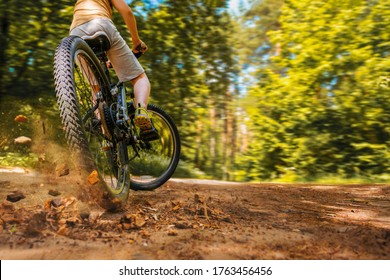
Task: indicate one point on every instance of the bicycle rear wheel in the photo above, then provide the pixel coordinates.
(84, 100)
(153, 162)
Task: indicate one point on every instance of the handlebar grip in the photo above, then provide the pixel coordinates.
(141, 48)
(138, 54)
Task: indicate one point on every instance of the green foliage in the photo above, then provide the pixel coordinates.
(189, 62)
(10, 159)
(320, 107)
(30, 31)
(187, 170)
(43, 122)
(191, 67)
(318, 102)
(255, 23)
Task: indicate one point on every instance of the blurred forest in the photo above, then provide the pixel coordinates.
(292, 90)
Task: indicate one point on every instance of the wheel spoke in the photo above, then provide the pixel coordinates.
(153, 162)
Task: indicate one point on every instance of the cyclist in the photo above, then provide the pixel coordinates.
(94, 17)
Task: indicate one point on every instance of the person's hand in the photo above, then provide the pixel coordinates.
(141, 47)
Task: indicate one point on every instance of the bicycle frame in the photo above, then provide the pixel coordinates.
(99, 122)
(118, 92)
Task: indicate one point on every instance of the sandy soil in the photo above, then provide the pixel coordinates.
(191, 219)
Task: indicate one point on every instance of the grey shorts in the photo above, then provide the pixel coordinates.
(125, 64)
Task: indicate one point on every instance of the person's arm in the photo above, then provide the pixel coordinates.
(130, 21)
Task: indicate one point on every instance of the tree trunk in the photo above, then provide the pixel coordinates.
(212, 140)
(198, 143)
(4, 30)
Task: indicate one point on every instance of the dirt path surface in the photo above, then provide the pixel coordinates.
(191, 219)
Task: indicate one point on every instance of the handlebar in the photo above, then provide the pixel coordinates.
(138, 54)
(141, 48)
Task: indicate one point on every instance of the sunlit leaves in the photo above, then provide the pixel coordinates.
(319, 108)
(35, 28)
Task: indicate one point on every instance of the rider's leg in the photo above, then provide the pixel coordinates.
(141, 86)
(141, 93)
(125, 64)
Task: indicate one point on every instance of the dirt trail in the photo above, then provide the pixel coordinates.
(192, 219)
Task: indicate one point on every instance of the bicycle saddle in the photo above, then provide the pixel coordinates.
(99, 44)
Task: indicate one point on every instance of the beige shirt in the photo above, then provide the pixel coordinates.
(87, 10)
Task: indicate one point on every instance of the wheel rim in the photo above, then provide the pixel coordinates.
(155, 157)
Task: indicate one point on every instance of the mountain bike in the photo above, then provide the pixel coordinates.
(98, 122)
